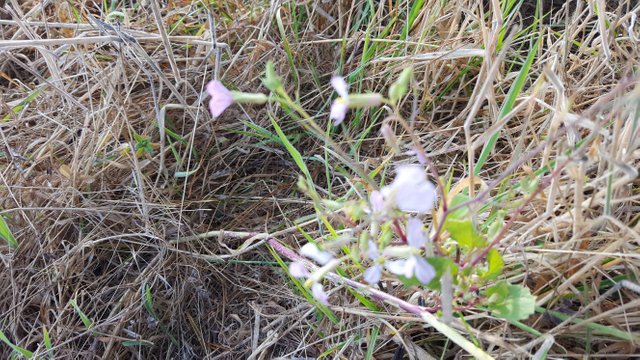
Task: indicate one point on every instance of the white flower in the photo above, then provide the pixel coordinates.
(413, 266)
(341, 105)
(311, 250)
(318, 293)
(415, 235)
(410, 190)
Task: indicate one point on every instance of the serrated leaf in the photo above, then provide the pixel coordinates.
(465, 233)
(511, 302)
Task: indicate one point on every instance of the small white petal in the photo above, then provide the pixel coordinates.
(396, 266)
(340, 86)
(373, 274)
(372, 252)
(311, 250)
(339, 110)
(318, 293)
(377, 201)
(410, 267)
(415, 234)
(423, 270)
(298, 270)
(410, 174)
(410, 190)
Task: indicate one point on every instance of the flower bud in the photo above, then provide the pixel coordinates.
(249, 98)
(364, 100)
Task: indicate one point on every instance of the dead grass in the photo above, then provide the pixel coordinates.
(100, 225)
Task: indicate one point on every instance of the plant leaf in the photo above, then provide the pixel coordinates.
(6, 234)
(511, 302)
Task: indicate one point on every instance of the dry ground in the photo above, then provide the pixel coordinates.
(101, 124)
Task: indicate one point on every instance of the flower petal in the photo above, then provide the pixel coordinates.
(396, 266)
(415, 234)
(311, 250)
(372, 252)
(298, 270)
(340, 86)
(220, 98)
(423, 270)
(410, 267)
(377, 201)
(339, 109)
(318, 293)
(410, 190)
(373, 274)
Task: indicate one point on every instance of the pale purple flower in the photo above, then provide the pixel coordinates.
(410, 190)
(221, 98)
(416, 237)
(340, 105)
(298, 270)
(377, 201)
(373, 274)
(319, 294)
(413, 266)
(312, 251)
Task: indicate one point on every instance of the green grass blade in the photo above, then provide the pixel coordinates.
(508, 105)
(371, 344)
(597, 328)
(47, 341)
(295, 154)
(85, 319)
(6, 234)
(24, 352)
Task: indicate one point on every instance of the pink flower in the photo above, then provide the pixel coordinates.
(221, 98)
(298, 270)
(410, 190)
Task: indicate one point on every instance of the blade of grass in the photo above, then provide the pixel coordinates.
(7, 235)
(85, 319)
(510, 101)
(24, 352)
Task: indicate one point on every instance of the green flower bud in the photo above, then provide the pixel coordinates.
(399, 88)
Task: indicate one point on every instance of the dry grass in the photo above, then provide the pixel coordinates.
(100, 225)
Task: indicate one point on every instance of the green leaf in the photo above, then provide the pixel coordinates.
(47, 340)
(511, 302)
(496, 264)
(130, 343)
(440, 265)
(6, 234)
(465, 233)
(85, 319)
(24, 352)
(461, 213)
